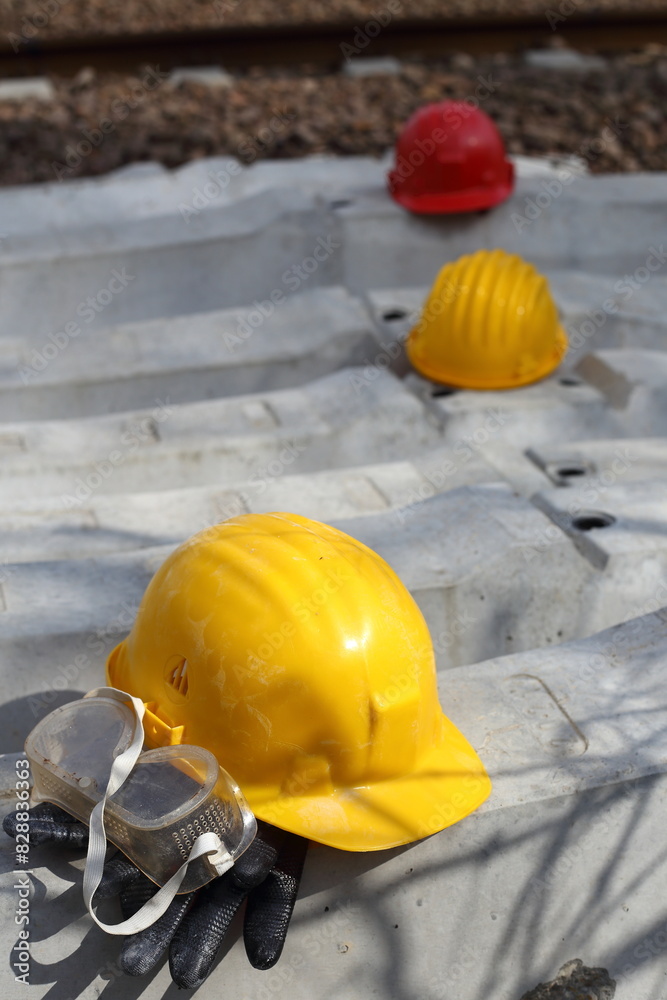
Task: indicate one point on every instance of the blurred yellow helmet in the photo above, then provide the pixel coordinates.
(295, 654)
(489, 322)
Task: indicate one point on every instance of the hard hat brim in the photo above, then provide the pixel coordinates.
(493, 382)
(450, 783)
(451, 203)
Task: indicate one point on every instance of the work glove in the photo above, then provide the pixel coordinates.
(267, 874)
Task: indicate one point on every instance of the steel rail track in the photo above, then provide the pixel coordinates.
(323, 46)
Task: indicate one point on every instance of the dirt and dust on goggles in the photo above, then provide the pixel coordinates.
(174, 811)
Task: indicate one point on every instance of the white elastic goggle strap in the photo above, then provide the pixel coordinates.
(206, 843)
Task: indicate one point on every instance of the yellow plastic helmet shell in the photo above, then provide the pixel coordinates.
(295, 654)
(489, 322)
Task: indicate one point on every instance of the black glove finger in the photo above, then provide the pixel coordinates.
(197, 940)
(270, 905)
(142, 951)
(49, 824)
(134, 895)
(118, 874)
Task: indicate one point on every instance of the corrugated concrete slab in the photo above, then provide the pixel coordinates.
(599, 464)
(213, 235)
(489, 570)
(518, 519)
(342, 419)
(445, 556)
(38, 529)
(186, 358)
(47, 528)
(611, 393)
(624, 521)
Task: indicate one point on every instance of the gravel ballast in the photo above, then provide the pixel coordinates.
(611, 116)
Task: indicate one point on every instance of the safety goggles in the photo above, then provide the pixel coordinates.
(173, 811)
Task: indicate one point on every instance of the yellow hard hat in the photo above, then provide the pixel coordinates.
(295, 655)
(489, 322)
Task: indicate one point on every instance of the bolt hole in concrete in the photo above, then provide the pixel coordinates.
(592, 519)
(393, 314)
(568, 471)
(569, 380)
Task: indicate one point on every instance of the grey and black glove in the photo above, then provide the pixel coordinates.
(267, 875)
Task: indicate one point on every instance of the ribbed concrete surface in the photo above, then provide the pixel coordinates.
(161, 370)
(186, 358)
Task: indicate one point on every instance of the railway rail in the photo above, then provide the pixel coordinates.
(327, 46)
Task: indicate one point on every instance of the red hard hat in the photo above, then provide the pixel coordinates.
(450, 157)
